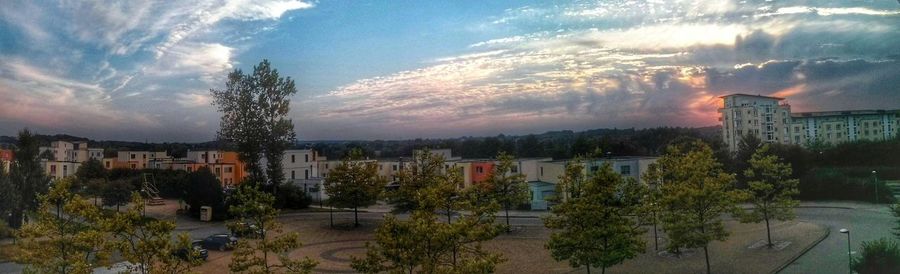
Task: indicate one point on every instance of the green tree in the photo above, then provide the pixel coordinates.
(27, 177)
(747, 146)
(117, 193)
(509, 189)
(600, 225)
(7, 196)
(147, 242)
(424, 171)
(66, 237)
(91, 169)
(895, 210)
(770, 190)
(694, 193)
(254, 108)
(423, 243)
(205, 190)
(881, 256)
(252, 255)
(354, 183)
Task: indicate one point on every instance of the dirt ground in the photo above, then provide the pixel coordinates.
(525, 252)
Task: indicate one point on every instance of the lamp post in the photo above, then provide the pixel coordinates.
(875, 175)
(849, 256)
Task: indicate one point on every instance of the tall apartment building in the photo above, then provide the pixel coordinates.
(771, 120)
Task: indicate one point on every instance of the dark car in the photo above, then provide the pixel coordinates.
(246, 230)
(220, 242)
(198, 252)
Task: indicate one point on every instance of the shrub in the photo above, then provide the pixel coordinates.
(5, 230)
(291, 197)
(876, 257)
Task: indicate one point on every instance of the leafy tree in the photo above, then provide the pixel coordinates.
(421, 242)
(117, 193)
(509, 190)
(747, 146)
(254, 109)
(291, 197)
(7, 195)
(599, 225)
(91, 169)
(770, 190)
(205, 190)
(354, 183)
(252, 256)
(147, 242)
(881, 256)
(27, 177)
(694, 193)
(424, 171)
(66, 237)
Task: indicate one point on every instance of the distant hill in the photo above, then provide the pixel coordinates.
(558, 144)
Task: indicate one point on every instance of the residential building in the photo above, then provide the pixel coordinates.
(136, 159)
(771, 120)
(64, 158)
(6, 158)
(474, 171)
(543, 175)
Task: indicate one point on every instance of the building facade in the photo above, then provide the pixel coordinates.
(771, 120)
(62, 159)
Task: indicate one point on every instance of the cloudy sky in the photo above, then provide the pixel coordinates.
(133, 70)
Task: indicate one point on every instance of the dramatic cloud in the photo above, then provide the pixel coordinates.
(114, 69)
(141, 70)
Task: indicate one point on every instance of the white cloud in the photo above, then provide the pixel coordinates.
(193, 100)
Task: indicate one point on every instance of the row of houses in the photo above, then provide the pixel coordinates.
(306, 169)
(541, 174)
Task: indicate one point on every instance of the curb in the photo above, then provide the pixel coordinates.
(834, 207)
(805, 250)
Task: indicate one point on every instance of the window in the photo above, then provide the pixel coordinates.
(133, 166)
(293, 174)
(53, 169)
(479, 169)
(218, 170)
(625, 170)
(65, 170)
(293, 158)
(542, 171)
(306, 174)
(132, 156)
(227, 169)
(307, 157)
(107, 164)
(144, 156)
(189, 169)
(514, 169)
(394, 167)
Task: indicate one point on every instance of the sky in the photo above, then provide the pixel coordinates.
(142, 70)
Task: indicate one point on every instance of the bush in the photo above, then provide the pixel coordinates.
(291, 197)
(876, 257)
(835, 184)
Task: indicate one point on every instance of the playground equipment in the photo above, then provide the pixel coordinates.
(148, 188)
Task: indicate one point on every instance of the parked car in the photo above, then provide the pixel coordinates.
(220, 242)
(196, 250)
(247, 230)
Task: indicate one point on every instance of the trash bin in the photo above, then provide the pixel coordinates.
(206, 213)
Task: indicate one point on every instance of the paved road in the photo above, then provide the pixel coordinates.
(830, 256)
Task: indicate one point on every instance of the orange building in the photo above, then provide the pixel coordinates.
(474, 171)
(6, 158)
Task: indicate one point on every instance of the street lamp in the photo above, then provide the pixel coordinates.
(849, 256)
(875, 175)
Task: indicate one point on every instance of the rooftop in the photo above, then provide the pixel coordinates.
(750, 95)
(842, 113)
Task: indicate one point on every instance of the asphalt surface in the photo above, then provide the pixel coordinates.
(830, 255)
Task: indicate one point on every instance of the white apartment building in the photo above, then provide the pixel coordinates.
(66, 157)
(770, 119)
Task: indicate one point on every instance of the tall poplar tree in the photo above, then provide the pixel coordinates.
(694, 192)
(770, 190)
(354, 183)
(509, 189)
(254, 120)
(27, 178)
(600, 224)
